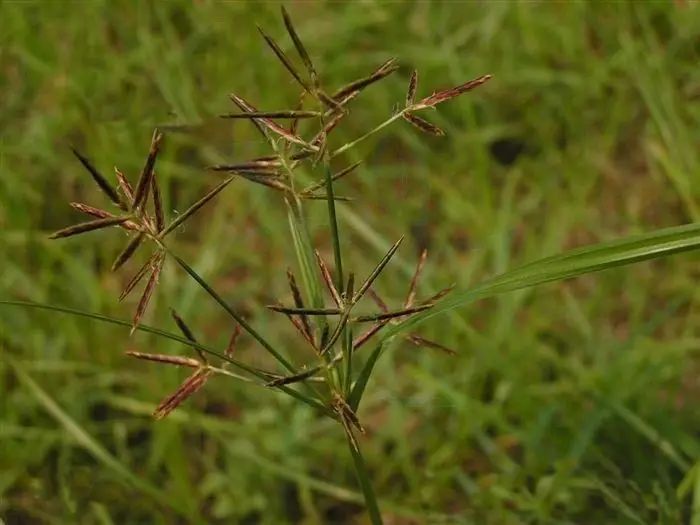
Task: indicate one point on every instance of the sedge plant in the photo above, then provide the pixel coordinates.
(338, 315)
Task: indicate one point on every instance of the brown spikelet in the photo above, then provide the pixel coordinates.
(412, 85)
(377, 270)
(386, 69)
(421, 341)
(190, 386)
(125, 186)
(363, 338)
(285, 114)
(302, 330)
(414, 280)
(194, 208)
(292, 379)
(378, 300)
(88, 226)
(334, 177)
(231, 348)
(148, 265)
(270, 124)
(423, 124)
(301, 50)
(187, 333)
(265, 181)
(261, 168)
(128, 251)
(148, 291)
(90, 210)
(326, 274)
(144, 184)
(439, 295)
(302, 311)
(448, 94)
(167, 359)
(299, 303)
(157, 204)
(277, 50)
(101, 181)
(392, 315)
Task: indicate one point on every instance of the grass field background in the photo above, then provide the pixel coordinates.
(569, 403)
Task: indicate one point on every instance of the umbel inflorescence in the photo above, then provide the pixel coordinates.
(335, 325)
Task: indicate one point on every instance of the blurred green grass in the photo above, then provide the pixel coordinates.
(573, 403)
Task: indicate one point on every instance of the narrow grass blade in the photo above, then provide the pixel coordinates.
(128, 251)
(88, 226)
(588, 259)
(284, 59)
(89, 444)
(144, 184)
(358, 389)
(261, 374)
(335, 234)
(176, 360)
(304, 253)
(104, 185)
(195, 207)
(375, 273)
(299, 46)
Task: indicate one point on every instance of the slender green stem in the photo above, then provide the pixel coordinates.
(365, 484)
(366, 135)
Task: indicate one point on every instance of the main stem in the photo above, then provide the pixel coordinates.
(367, 491)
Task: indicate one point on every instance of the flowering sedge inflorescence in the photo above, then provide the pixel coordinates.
(333, 333)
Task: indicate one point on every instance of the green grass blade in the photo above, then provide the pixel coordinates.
(305, 255)
(589, 259)
(359, 389)
(168, 335)
(87, 442)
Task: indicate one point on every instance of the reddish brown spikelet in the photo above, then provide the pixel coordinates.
(292, 379)
(104, 185)
(148, 291)
(195, 207)
(167, 359)
(392, 315)
(378, 300)
(363, 338)
(277, 50)
(423, 124)
(439, 295)
(179, 321)
(299, 302)
(421, 341)
(189, 387)
(326, 274)
(139, 275)
(144, 183)
(285, 114)
(90, 210)
(125, 186)
(386, 69)
(88, 226)
(448, 94)
(414, 281)
(299, 46)
(302, 330)
(157, 204)
(412, 85)
(231, 348)
(128, 251)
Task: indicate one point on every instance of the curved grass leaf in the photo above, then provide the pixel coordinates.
(588, 259)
